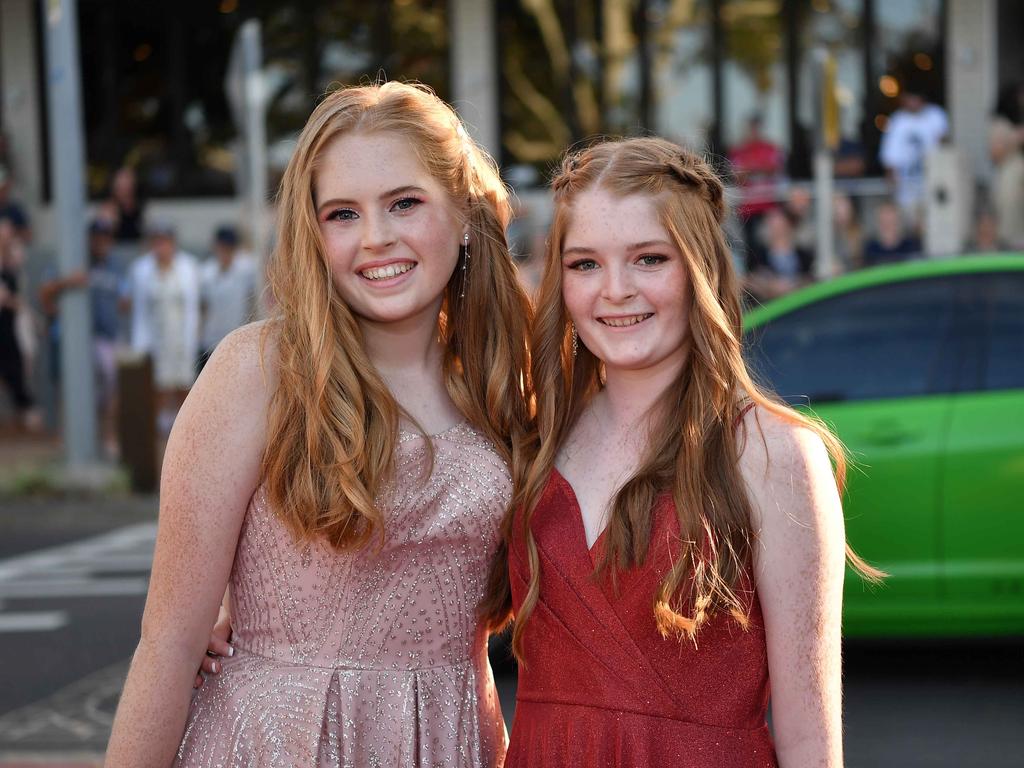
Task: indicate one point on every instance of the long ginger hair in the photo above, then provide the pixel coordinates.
(333, 423)
(693, 447)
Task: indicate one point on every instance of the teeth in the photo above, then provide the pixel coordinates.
(391, 270)
(622, 322)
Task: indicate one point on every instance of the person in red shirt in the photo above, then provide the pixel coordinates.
(758, 166)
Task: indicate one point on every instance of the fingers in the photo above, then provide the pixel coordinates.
(198, 682)
(219, 646)
(210, 666)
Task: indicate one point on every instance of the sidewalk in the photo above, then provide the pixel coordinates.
(66, 724)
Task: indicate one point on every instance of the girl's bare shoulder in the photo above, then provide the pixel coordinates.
(770, 444)
(246, 360)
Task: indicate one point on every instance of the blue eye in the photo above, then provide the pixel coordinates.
(406, 204)
(583, 265)
(342, 214)
(651, 259)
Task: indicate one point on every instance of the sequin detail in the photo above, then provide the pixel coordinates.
(371, 658)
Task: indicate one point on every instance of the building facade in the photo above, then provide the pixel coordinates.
(531, 77)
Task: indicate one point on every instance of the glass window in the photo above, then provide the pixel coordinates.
(568, 71)
(753, 71)
(881, 342)
(1005, 360)
(836, 26)
(682, 58)
(907, 51)
(153, 77)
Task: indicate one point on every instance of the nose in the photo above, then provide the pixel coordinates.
(377, 232)
(617, 285)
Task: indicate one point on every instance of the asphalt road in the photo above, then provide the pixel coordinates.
(72, 584)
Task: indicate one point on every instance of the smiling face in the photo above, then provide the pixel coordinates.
(391, 232)
(624, 282)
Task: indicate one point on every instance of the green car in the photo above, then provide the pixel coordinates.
(919, 368)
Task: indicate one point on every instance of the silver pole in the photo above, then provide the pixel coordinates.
(824, 226)
(68, 184)
(256, 139)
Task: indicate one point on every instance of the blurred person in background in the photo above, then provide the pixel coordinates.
(891, 242)
(108, 297)
(13, 309)
(849, 244)
(126, 206)
(12, 210)
(780, 265)
(800, 208)
(985, 238)
(227, 291)
(848, 159)
(913, 131)
(1006, 146)
(165, 317)
(758, 166)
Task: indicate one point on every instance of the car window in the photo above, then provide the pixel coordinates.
(1004, 364)
(878, 342)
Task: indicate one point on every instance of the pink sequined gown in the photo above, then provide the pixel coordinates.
(372, 658)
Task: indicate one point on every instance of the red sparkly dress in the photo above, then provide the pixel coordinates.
(602, 687)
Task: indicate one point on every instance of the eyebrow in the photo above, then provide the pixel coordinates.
(390, 193)
(585, 251)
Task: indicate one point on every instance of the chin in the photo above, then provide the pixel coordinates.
(395, 311)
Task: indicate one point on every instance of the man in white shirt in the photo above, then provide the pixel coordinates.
(914, 130)
(227, 289)
(165, 316)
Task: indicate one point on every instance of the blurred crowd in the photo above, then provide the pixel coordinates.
(149, 296)
(777, 246)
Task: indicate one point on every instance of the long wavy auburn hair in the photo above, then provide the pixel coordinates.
(693, 449)
(333, 423)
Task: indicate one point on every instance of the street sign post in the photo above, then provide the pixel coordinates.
(246, 95)
(826, 141)
(68, 183)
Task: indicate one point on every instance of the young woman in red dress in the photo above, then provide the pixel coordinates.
(676, 552)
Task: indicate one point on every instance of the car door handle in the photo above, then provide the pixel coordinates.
(889, 434)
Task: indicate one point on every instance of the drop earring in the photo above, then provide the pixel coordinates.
(575, 342)
(465, 263)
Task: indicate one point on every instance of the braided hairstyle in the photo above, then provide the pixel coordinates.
(694, 445)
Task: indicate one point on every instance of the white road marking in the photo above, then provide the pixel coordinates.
(95, 550)
(113, 564)
(73, 587)
(36, 621)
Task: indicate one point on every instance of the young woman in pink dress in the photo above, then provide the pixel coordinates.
(344, 468)
(676, 552)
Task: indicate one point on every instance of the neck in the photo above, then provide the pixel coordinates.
(406, 347)
(628, 395)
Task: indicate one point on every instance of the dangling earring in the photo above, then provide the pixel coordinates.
(465, 262)
(575, 342)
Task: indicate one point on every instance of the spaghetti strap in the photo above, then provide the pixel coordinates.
(742, 413)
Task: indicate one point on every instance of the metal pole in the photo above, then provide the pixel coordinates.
(256, 139)
(825, 261)
(68, 185)
(826, 139)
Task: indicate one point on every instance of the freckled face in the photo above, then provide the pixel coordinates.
(624, 282)
(391, 232)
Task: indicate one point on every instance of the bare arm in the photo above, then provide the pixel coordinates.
(210, 471)
(799, 564)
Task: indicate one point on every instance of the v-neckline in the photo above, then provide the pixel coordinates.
(593, 549)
